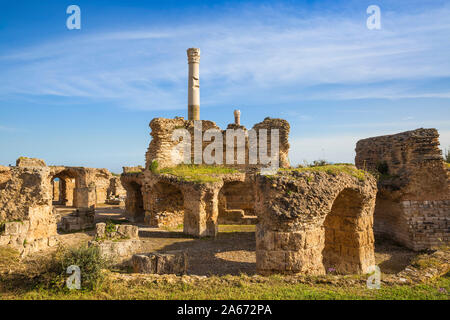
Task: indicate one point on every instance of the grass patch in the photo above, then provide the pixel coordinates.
(226, 228)
(198, 173)
(333, 169)
(8, 258)
(243, 287)
(177, 228)
(425, 261)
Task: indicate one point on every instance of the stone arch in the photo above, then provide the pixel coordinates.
(348, 236)
(166, 205)
(67, 183)
(236, 203)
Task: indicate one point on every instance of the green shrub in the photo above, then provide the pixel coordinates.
(319, 163)
(154, 166)
(90, 262)
(110, 227)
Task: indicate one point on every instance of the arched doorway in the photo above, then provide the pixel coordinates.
(134, 202)
(64, 188)
(346, 233)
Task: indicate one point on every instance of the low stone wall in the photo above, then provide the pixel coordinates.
(169, 262)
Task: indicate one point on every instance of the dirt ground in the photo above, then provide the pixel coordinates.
(231, 252)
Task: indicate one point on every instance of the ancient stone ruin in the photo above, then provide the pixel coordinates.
(413, 201)
(308, 220)
(30, 190)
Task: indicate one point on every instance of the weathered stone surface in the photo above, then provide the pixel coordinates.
(30, 162)
(25, 206)
(79, 220)
(120, 252)
(413, 201)
(170, 262)
(121, 231)
(309, 222)
(163, 149)
(117, 251)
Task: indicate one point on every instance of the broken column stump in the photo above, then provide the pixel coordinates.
(170, 262)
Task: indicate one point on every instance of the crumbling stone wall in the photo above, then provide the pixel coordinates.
(26, 218)
(116, 190)
(162, 147)
(314, 222)
(413, 202)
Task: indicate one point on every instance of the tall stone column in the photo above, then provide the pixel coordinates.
(237, 117)
(194, 84)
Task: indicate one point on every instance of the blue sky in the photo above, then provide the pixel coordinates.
(85, 97)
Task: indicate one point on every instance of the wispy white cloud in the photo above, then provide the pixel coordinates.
(339, 147)
(293, 58)
(7, 129)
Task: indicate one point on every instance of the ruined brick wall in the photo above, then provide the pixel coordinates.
(414, 190)
(162, 147)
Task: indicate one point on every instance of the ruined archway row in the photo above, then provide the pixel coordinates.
(84, 187)
(29, 221)
(308, 222)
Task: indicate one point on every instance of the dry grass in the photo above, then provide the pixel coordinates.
(334, 169)
(198, 173)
